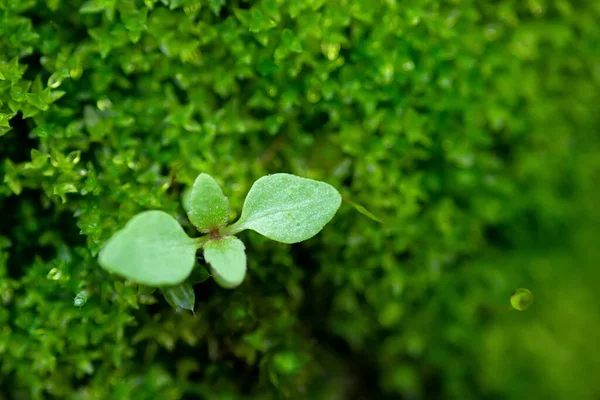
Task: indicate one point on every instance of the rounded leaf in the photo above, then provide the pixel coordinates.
(152, 249)
(288, 208)
(208, 206)
(227, 259)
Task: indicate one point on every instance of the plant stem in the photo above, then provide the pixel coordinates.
(199, 241)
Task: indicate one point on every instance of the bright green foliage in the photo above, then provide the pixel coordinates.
(288, 208)
(209, 207)
(521, 299)
(227, 260)
(469, 128)
(180, 296)
(152, 249)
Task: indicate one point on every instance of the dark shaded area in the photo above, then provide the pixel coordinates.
(16, 144)
(25, 220)
(359, 369)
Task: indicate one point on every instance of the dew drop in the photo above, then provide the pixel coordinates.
(54, 274)
(54, 81)
(521, 299)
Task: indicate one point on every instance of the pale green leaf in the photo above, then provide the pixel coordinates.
(152, 249)
(227, 260)
(208, 205)
(180, 296)
(288, 208)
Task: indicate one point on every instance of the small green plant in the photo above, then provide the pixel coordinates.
(153, 249)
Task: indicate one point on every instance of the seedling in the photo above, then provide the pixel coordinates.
(153, 249)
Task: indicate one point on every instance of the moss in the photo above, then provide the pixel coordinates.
(468, 129)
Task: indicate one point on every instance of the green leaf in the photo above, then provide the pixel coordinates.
(209, 207)
(145, 289)
(4, 119)
(90, 7)
(180, 296)
(37, 101)
(11, 177)
(152, 250)
(227, 260)
(216, 5)
(288, 208)
(259, 22)
(290, 41)
(198, 275)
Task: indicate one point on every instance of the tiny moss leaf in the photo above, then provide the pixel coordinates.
(363, 211)
(180, 296)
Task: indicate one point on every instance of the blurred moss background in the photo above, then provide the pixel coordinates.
(470, 128)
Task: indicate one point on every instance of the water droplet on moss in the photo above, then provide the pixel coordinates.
(54, 81)
(54, 274)
(521, 299)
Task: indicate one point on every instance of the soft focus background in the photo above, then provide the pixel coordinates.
(470, 128)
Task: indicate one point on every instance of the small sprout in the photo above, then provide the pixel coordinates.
(521, 299)
(153, 250)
